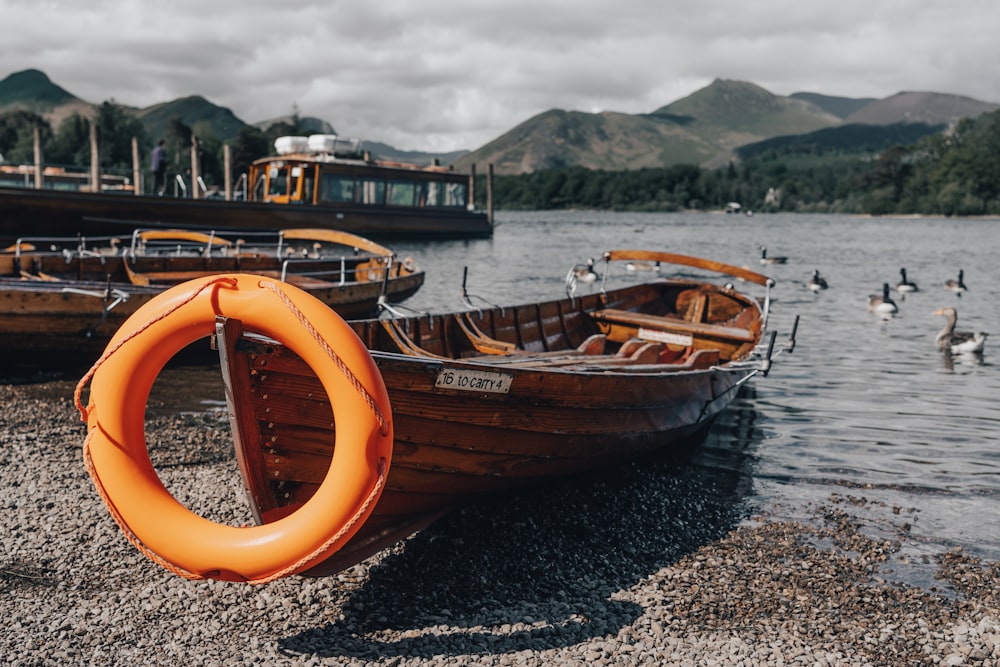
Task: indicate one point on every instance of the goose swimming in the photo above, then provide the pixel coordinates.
(883, 305)
(817, 282)
(905, 285)
(764, 259)
(950, 340)
(957, 286)
(585, 273)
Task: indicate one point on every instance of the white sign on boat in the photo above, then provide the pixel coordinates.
(469, 380)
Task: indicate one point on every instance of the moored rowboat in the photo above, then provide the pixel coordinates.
(481, 401)
(69, 295)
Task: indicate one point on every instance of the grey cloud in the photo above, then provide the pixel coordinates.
(442, 74)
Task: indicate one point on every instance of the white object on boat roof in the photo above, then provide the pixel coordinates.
(331, 143)
(291, 144)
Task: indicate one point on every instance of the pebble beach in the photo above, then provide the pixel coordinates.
(651, 564)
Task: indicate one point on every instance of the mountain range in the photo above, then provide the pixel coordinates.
(704, 128)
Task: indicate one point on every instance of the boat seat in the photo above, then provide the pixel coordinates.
(634, 320)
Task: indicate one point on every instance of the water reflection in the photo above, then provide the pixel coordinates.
(950, 360)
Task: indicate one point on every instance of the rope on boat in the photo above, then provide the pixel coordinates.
(355, 382)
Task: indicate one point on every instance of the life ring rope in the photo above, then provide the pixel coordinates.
(373, 495)
(361, 511)
(78, 392)
(358, 386)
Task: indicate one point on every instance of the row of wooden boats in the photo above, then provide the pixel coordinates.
(352, 434)
(63, 297)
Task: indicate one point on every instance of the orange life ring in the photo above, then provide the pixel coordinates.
(119, 460)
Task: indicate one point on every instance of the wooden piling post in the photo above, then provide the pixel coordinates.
(489, 194)
(194, 168)
(227, 160)
(136, 172)
(38, 159)
(95, 160)
(472, 186)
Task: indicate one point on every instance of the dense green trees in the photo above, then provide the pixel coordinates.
(948, 173)
(69, 144)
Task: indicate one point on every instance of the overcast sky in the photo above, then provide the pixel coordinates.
(444, 75)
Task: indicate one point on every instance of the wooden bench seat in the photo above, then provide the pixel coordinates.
(670, 325)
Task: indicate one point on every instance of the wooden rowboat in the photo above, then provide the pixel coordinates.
(67, 296)
(482, 401)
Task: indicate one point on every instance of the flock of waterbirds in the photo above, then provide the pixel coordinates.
(948, 339)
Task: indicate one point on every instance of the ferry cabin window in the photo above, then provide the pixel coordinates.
(401, 193)
(371, 190)
(456, 194)
(340, 188)
(337, 188)
(277, 181)
(258, 187)
(302, 185)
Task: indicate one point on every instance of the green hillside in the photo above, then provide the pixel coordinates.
(32, 89)
(733, 113)
(607, 140)
(855, 138)
(841, 107)
(703, 128)
(202, 116)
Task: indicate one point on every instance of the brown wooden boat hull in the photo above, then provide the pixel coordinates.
(471, 424)
(47, 323)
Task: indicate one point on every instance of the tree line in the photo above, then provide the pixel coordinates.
(68, 144)
(955, 172)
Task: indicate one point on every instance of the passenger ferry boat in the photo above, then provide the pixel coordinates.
(321, 181)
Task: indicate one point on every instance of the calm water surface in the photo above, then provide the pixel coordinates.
(863, 407)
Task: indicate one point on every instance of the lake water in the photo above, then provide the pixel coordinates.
(864, 407)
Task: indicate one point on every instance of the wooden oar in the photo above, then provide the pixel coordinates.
(339, 238)
(687, 260)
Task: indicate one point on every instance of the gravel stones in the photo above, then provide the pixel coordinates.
(653, 563)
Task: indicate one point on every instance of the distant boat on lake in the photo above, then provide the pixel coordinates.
(320, 181)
